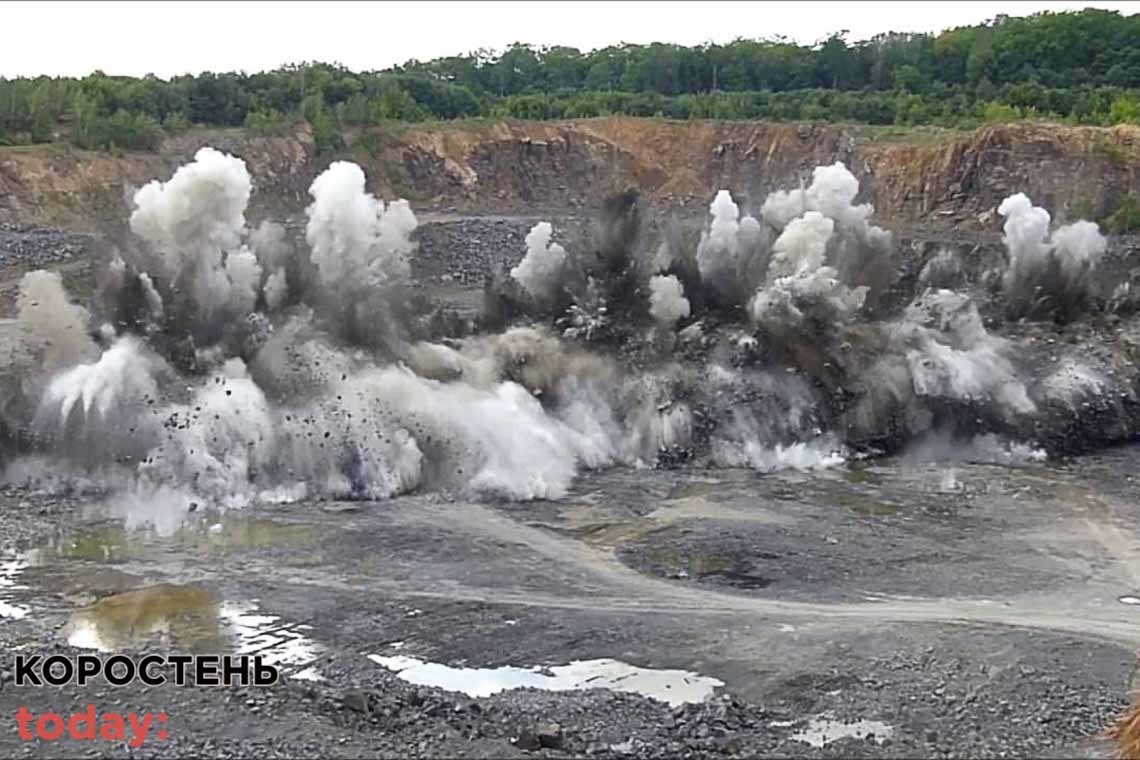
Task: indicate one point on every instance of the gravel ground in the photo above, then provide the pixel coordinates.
(34, 246)
(25, 247)
(951, 669)
(462, 252)
(968, 692)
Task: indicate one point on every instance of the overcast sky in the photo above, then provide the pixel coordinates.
(170, 38)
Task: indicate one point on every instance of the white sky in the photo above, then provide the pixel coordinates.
(169, 38)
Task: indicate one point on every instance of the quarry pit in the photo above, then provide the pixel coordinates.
(756, 546)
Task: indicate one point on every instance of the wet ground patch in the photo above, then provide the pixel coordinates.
(846, 556)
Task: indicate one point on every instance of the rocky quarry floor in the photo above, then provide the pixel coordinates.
(872, 611)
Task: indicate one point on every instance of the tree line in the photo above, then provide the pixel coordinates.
(1081, 67)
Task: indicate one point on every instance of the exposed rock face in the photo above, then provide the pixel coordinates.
(1065, 168)
(61, 185)
(926, 177)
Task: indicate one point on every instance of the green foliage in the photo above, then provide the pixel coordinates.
(1126, 218)
(909, 79)
(385, 100)
(999, 112)
(269, 123)
(175, 123)
(369, 144)
(1081, 67)
(1125, 109)
(395, 103)
(121, 130)
(325, 134)
(985, 90)
(1083, 209)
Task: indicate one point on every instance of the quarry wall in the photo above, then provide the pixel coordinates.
(914, 177)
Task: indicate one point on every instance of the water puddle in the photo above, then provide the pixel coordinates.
(190, 618)
(710, 488)
(823, 731)
(865, 504)
(692, 564)
(164, 614)
(237, 533)
(610, 528)
(10, 571)
(116, 543)
(278, 642)
(859, 474)
(675, 687)
(96, 543)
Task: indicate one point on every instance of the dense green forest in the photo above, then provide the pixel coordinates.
(1079, 67)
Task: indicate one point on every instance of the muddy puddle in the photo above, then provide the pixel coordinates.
(114, 542)
(191, 618)
(110, 577)
(81, 563)
(171, 615)
(711, 565)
